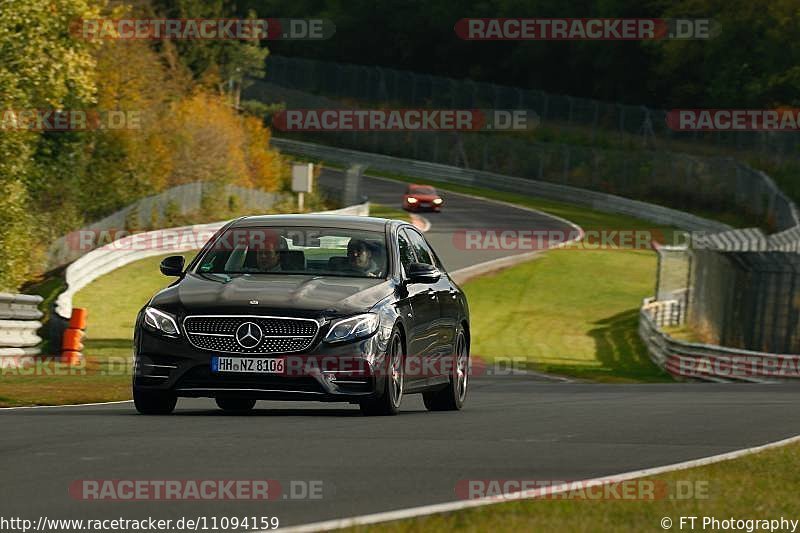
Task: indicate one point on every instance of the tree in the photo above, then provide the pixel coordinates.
(42, 66)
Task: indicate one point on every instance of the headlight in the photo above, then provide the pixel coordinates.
(437, 201)
(353, 328)
(412, 200)
(161, 321)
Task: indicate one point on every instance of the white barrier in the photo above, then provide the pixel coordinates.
(19, 322)
(140, 246)
(185, 198)
(707, 362)
(19, 306)
(19, 333)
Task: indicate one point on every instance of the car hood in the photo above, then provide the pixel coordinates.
(297, 295)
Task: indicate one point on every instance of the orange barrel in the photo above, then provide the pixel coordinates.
(71, 357)
(78, 318)
(72, 340)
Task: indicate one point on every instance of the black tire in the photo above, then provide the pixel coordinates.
(388, 403)
(150, 402)
(236, 405)
(453, 396)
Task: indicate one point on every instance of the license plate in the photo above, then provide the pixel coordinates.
(425, 204)
(252, 365)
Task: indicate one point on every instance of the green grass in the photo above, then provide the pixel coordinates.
(570, 312)
(384, 211)
(758, 486)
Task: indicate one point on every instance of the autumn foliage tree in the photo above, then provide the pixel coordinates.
(179, 128)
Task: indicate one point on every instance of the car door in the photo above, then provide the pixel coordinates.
(441, 329)
(450, 303)
(422, 335)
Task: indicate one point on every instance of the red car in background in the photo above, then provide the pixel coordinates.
(422, 198)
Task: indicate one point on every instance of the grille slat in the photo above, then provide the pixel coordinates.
(278, 334)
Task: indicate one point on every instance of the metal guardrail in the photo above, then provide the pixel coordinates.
(677, 179)
(150, 210)
(708, 362)
(344, 82)
(19, 322)
(477, 178)
(140, 246)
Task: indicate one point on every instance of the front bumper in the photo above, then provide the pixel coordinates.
(417, 207)
(344, 372)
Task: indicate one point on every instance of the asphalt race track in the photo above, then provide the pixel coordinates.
(460, 213)
(512, 427)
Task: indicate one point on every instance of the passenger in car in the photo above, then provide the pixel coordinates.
(360, 258)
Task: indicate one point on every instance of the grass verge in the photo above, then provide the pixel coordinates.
(568, 313)
(758, 486)
(384, 211)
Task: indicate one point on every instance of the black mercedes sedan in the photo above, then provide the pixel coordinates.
(305, 307)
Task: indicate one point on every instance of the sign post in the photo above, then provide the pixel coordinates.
(302, 181)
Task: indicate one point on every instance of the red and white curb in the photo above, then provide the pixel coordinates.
(420, 222)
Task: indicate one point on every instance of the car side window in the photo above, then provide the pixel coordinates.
(421, 249)
(406, 253)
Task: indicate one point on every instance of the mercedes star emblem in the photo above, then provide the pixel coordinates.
(248, 335)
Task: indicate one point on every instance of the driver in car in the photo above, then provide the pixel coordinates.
(268, 254)
(360, 258)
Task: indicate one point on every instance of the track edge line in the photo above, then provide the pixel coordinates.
(414, 512)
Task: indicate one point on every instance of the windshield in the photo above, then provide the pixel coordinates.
(423, 190)
(297, 250)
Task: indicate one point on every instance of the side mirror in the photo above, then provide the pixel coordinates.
(172, 265)
(423, 273)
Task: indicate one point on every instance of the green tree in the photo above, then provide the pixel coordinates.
(42, 66)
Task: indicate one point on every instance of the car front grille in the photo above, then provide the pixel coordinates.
(246, 334)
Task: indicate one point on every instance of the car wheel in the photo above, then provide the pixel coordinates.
(388, 403)
(452, 397)
(150, 402)
(236, 405)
